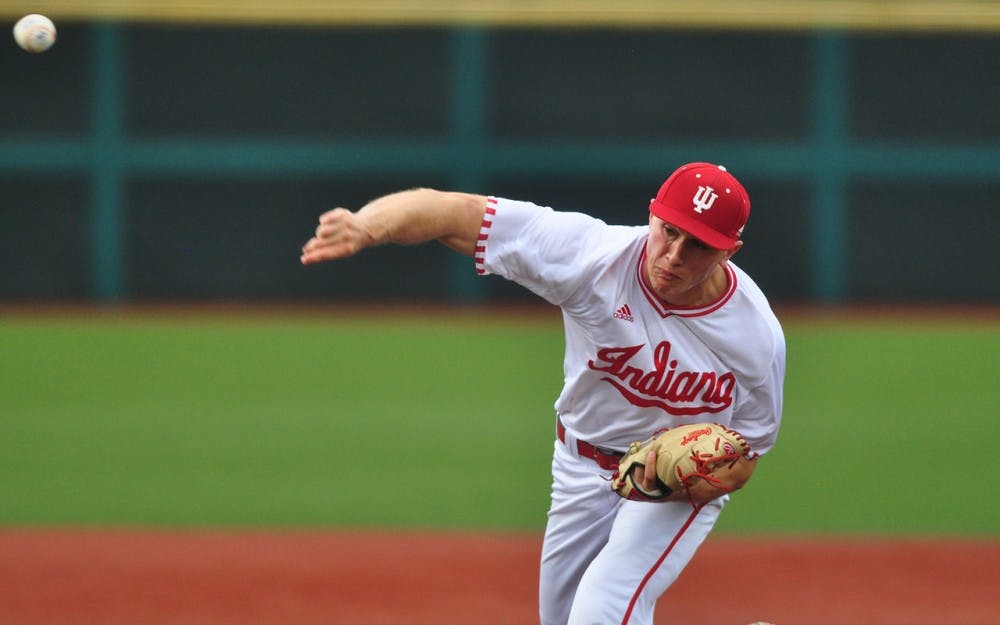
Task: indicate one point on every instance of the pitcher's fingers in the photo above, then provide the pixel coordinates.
(649, 474)
(327, 229)
(315, 244)
(335, 214)
(319, 255)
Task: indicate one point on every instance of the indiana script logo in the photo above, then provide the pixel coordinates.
(674, 391)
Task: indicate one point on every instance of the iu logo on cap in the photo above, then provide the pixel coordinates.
(704, 198)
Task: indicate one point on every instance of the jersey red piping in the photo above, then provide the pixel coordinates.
(665, 310)
(659, 561)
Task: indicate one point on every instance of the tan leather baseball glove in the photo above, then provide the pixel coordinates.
(684, 455)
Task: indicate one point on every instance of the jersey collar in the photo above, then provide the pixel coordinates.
(665, 310)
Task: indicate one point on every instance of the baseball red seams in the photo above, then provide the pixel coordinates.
(674, 391)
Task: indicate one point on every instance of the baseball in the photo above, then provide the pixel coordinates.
(35, 33)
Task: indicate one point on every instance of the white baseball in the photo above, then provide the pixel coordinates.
(761, 623)
(35, 33)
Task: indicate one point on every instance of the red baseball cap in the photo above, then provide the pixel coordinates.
(706, 201)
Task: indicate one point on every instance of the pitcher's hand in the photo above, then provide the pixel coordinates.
(340, 234)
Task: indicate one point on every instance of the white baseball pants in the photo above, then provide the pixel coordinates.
(605, 560)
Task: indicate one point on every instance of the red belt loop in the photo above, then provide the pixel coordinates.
(605, 459)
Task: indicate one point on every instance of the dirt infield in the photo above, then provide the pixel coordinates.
(78, 577)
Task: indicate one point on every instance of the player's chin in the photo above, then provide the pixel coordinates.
(667, 284)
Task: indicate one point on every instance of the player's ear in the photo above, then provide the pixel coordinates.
(731, 252)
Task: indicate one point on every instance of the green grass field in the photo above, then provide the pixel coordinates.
(445, 423)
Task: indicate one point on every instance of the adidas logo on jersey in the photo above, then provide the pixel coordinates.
(623, 313)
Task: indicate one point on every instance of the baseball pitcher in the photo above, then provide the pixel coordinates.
(674, 366)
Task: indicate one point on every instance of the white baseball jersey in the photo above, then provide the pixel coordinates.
(634, 364)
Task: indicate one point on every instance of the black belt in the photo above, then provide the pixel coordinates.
(605, 458)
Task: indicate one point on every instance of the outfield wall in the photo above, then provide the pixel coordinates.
(182, 151)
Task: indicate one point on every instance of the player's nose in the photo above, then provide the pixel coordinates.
(674, 252)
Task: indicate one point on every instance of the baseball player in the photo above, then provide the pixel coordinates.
(662, 330)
